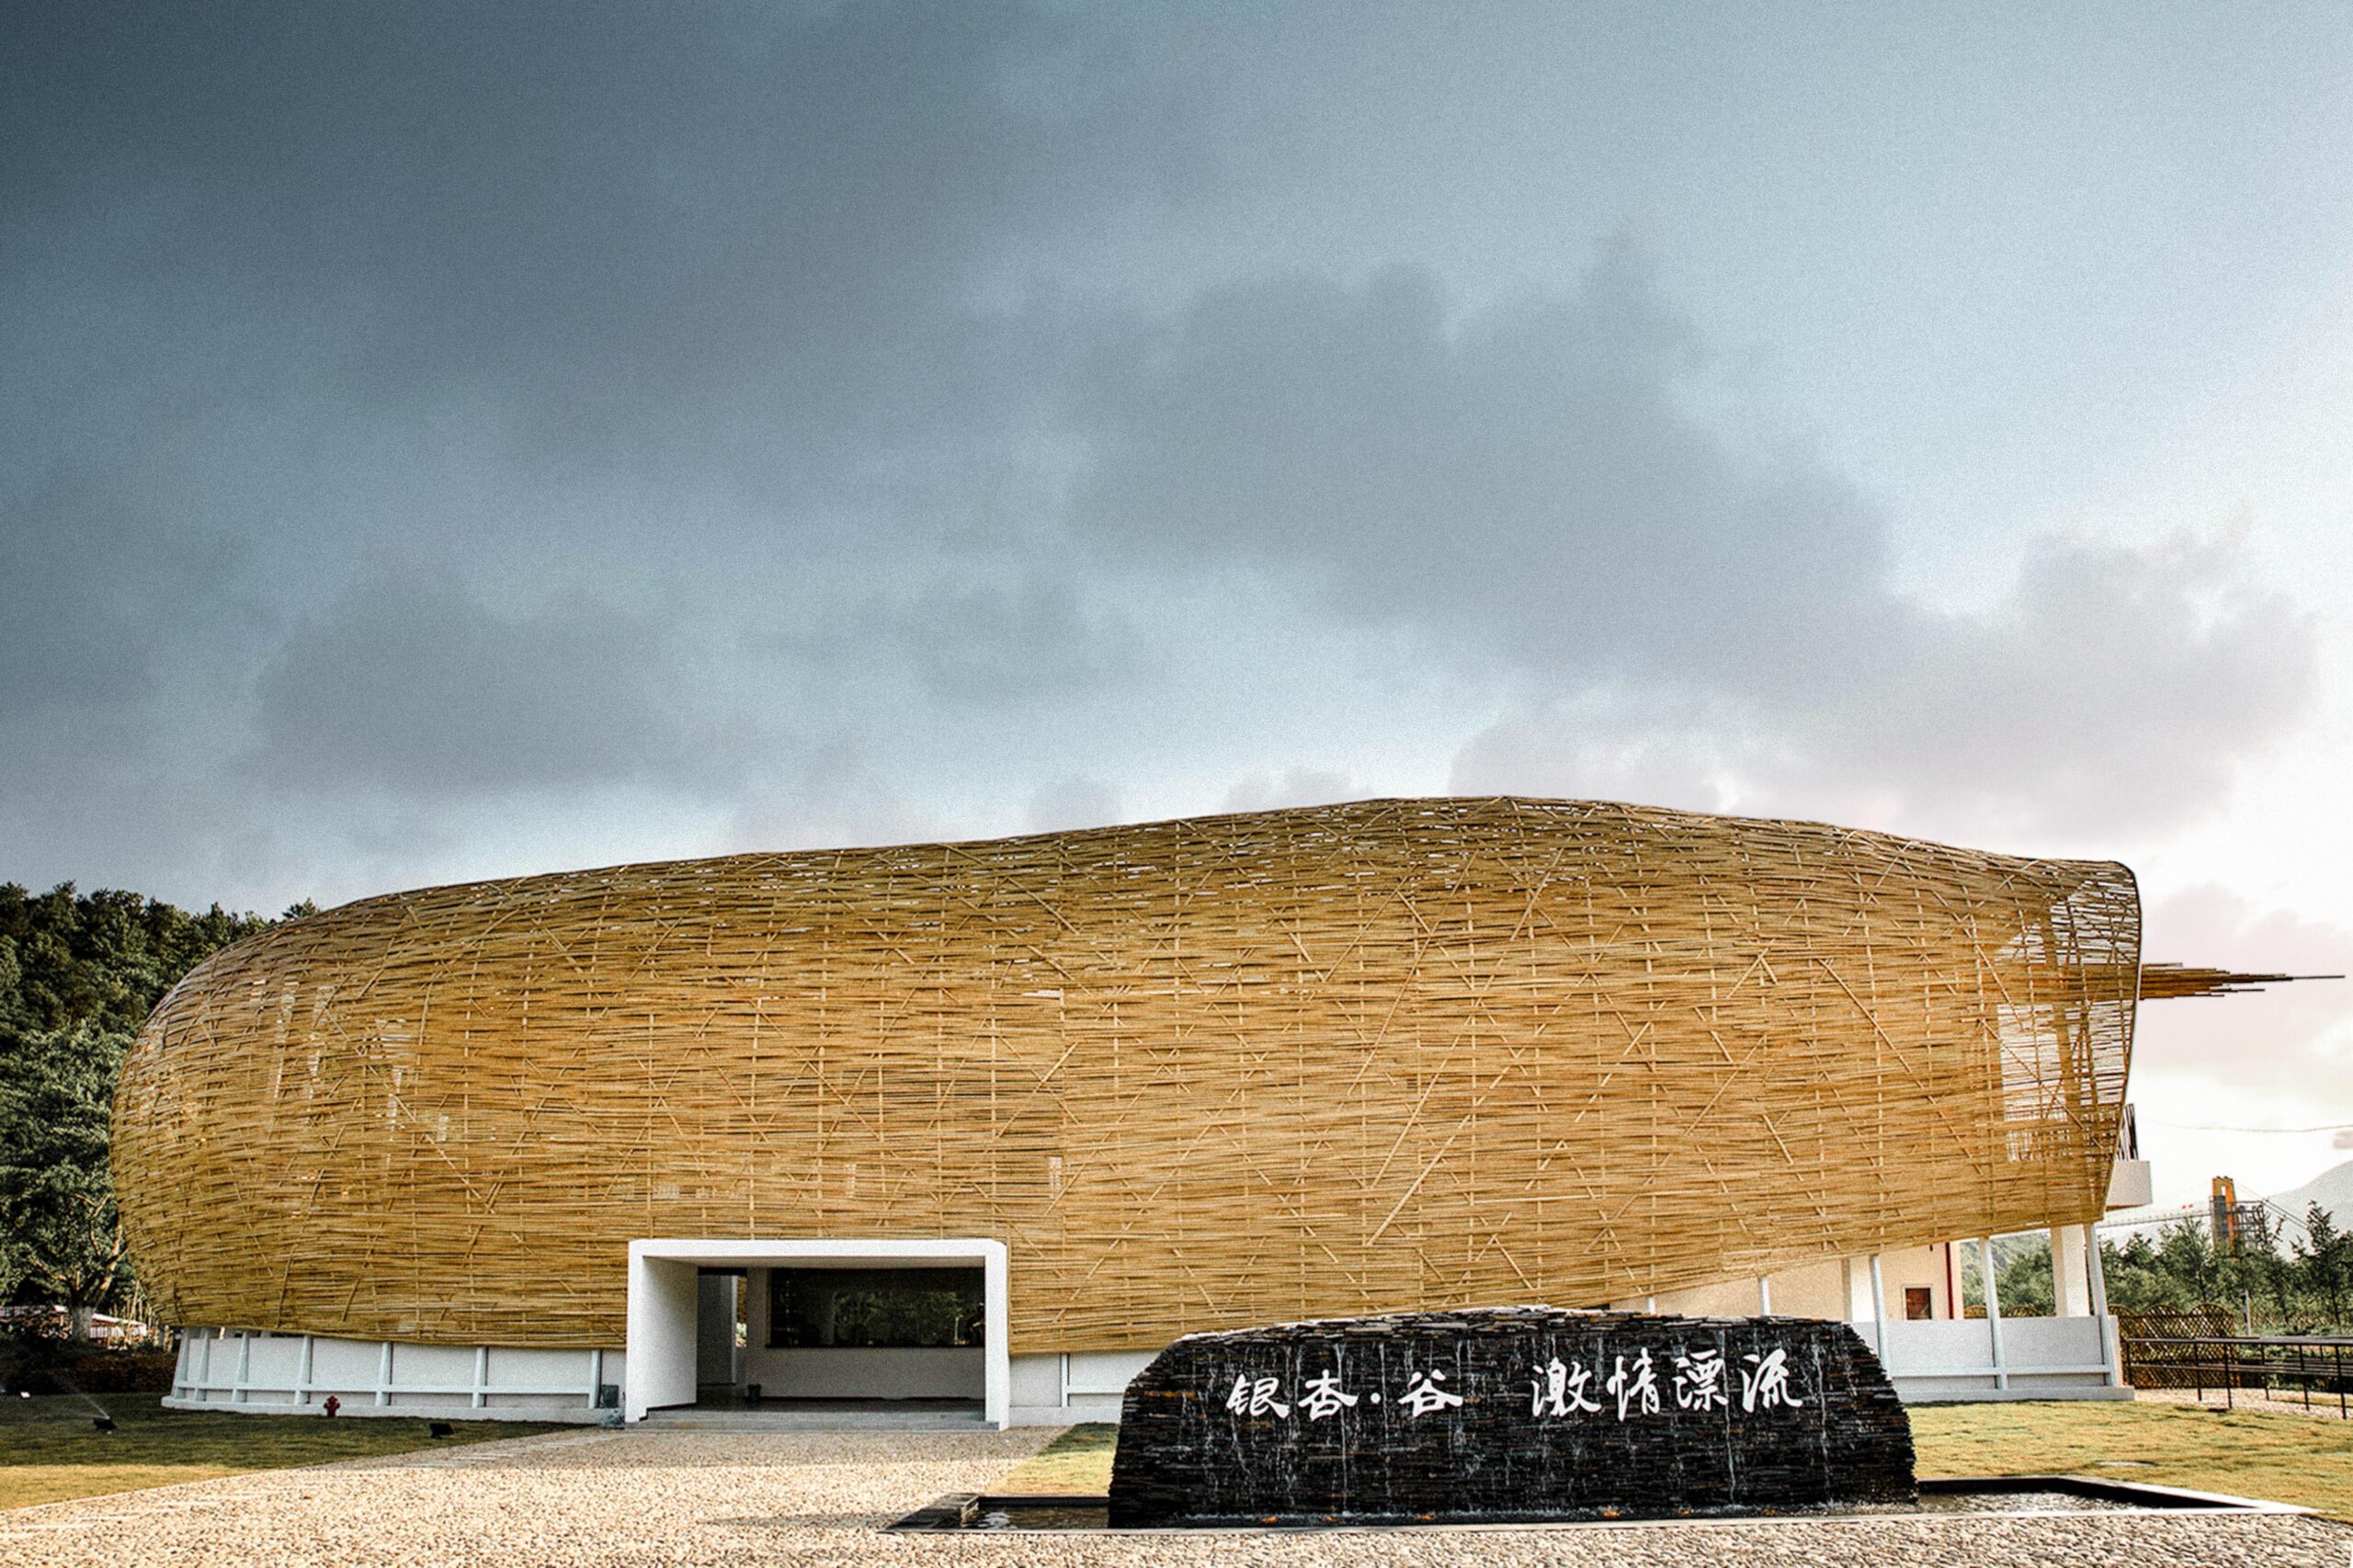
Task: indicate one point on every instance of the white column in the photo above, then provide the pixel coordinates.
(997, 1405)
(302, 1376)
(2095, 1275)
(2069, 1290)
(1854, 1272)
(1992, 1310)
(1879, 1308)
(1764, 1296)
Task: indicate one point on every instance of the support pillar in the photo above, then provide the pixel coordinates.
(1879, 1308)
(2095, 1277)
(1992, 1310)
(2070, 1295)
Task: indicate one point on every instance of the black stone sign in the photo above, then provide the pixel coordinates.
(1515, 1413)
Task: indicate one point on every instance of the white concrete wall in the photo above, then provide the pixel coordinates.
(2043, 1358)
(1810, 1290)
(1910, 1267)
(1055, 1389)
(296, 1374)
(2038, 1359)
(663, 1294)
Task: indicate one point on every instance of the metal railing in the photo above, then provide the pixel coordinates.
(2234, 1364)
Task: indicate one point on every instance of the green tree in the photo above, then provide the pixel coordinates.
(2323, 1264)
(58, 1235)
(2023, 1281)
(78, 974)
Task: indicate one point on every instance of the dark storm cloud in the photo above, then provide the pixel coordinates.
(417, 687)
(990, 644)
(1528, 488)
(589, 290)
(328, 322)
(743, 241)
(1525, 481)
(87, 573)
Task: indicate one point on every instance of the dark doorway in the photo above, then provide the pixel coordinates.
(873, 1333)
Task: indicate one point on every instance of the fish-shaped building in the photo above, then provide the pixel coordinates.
(1000, 1119)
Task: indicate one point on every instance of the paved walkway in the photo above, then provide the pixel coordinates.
(691, 1497)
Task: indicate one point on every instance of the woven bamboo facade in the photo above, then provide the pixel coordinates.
(1196, 1074)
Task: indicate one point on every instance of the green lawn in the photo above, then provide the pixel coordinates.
(1078, 1463)
(2287, 1459)
(49, 1450)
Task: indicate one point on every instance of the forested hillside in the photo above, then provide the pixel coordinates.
(79, 973)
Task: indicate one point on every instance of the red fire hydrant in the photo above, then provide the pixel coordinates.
(333, 1404)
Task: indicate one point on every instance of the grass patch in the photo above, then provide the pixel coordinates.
(2285, 1458)
(49, 1451)
(1074, 1464)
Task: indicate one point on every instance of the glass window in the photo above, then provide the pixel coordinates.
(881, 1308)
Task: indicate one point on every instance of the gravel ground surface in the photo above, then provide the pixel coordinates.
(727, 1498)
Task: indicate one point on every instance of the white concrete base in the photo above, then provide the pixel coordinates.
(1936, 1362)
(1934, 1390)
(295, 1374)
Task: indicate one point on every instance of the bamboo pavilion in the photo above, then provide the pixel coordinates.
(994, 1122)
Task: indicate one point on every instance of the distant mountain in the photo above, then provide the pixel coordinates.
(2332, 1189)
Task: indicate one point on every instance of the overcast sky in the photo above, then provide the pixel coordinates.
(454, 441)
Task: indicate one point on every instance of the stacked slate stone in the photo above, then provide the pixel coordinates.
(1518, 1412)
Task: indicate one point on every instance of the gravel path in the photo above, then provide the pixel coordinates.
(726, 1498)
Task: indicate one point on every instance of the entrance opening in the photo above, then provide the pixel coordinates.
(810, 1326)
(718, 1335)
(912, 1331)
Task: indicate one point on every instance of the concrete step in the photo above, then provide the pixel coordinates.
(830, 1420)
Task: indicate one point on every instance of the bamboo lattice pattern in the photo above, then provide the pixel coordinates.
(1196, 1074)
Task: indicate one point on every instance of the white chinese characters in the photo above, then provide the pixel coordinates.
(1562, 1389)
(1423, 1394)
(1641, 1388)
(1627, 1387)
(1325, 1397)
(1768, 1386)
(1256, 1397)
(1700, 1381)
